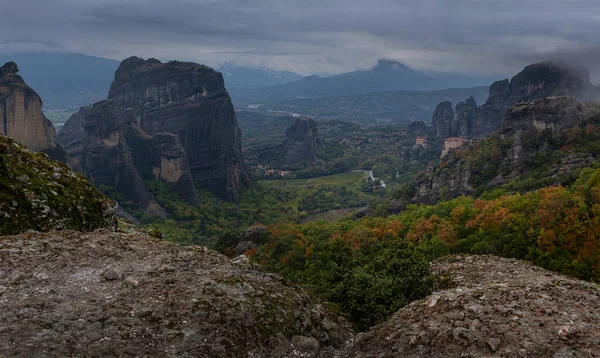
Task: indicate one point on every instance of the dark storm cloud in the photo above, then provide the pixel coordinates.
(314, 36)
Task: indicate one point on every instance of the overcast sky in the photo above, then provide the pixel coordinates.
(310, 36)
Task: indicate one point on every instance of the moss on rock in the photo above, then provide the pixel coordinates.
(39, 194)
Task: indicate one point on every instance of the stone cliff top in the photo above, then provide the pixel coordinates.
(9, 68)
(135, 65)
(138, 80)
(547, 79)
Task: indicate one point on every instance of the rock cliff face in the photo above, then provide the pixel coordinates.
(534, 82)
(21, 116)
(548, 79)
(527, 119)
(96, 138)
(39, 194)
(172, 122)
(302, 140)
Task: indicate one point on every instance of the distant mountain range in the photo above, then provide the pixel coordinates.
(387, 75)
(68, 81)
(248, 78)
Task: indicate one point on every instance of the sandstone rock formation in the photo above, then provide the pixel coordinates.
(494, 307)
(302, 140)
(39, 194)
(67, 294)
(127, 294)
(172, 122)
(21, 116)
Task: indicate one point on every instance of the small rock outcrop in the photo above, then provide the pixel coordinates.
(171, 122)
(417, 128)
(127, 294)
(39, 194)
(21, 116)
(496, 308)
(253, 236)
(419, 150)
(396, 206)
(302, 140)
(363, 212)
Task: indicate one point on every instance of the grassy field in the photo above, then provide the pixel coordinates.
(343, 178)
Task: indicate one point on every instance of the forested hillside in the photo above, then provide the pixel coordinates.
(372, 266)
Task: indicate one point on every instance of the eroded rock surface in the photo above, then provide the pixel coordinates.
(67, 294)
(498, 308)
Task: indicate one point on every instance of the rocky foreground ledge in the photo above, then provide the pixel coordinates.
(111, 294)
(498, 308)
(116, 294)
